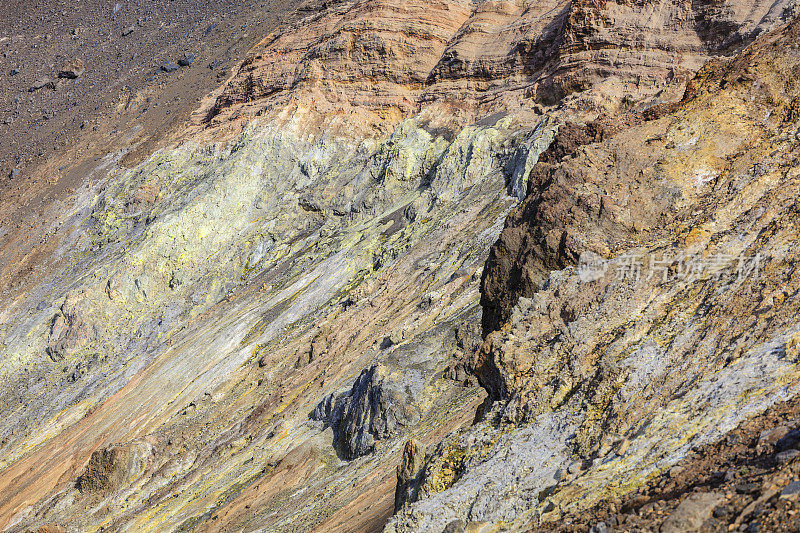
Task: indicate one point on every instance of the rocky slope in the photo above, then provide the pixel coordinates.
(676, 322)
(255, 325)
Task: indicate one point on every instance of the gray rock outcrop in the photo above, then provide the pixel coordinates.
(378, 406)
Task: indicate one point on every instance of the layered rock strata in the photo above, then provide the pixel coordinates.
(315, 244)
(676, 322)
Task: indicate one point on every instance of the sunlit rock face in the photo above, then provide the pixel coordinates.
(649, 325)
(375, 408)
(243, 331)
(261, 276)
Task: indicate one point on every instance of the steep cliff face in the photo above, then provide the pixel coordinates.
(263, 276)
(381, 60)
(675, 323)
(242, 331)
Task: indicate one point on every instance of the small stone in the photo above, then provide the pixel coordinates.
(127, 31)
(770, 437)
(648, 508)
(72, 69)
(691, 513)
(635, 502)
(169, 66)
(456, 526)
(748, 488)
(14, 72)
(186, 60)
(792, 490)
(786, 456)
(394, 338)
(599, 527)
(623, 447)
(722, 511)
(675, 471)
(790, 440)
(41, 83)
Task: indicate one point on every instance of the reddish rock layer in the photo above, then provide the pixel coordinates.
(370, 63)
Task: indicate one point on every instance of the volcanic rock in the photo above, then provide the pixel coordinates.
(376, 407)
(42, 83)
(72, 328)
(72, 69)
(169, 66)
(691, 513)
(186, 60)
(113, 467)
(312, 238)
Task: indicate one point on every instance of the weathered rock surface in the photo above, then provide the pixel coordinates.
(72, 328)
(736, 471)
(375, 408)
(691, 513)
(315, 240)
(673, 333)
(213, 301)
(386, 59)
(72, 69)
(408, 473)
(114, 467)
